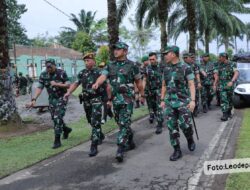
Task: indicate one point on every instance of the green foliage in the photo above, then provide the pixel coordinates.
(42, 40)
(66, 38)
(20, 152)
(16, 32)
(102, 55)
(230, 52)
(83, 43)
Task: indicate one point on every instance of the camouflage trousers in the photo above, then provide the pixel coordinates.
(226, 99)
(57, 108)
(178, 118)
(123, 114)
(93, 111)
(207, 94)
(154, 101)
(197, 99)
(23, 90)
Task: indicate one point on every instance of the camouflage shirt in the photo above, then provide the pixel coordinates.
(122, 75)
(87, 77)
(176, 77)
(210, 70)
(58, 76)
(154, 77)
(226, 73)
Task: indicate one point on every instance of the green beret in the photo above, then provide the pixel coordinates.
(223, 54)
(144, 58)
(51, 61)
(205, 55)
(120, 45)
(174, 49)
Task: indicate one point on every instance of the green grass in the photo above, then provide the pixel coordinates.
(241, 180)
(20, 152)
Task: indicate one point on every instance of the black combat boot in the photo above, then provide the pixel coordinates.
(151, 118)
(209, 105)
(224, 117)
(102, 137)
(137, 104)
(66, 132)
(191, 144)
(93, 150)
(131, 146)
(204, 108)
(158, 129)
(57, 142)
(120, 153)
(229, 113)
(177, 153)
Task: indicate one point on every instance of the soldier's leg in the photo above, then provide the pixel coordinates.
(96, 117)
(218, 97)
(125, 134)
(150, 108)
(197, 102)
(210, 96)
(159, 114)
(87, 108)
(224, 104)
(185, 123)
(204, 98)
(230, 99)
(137, 101)
(171, 122)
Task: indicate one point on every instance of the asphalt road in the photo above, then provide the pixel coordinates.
(146, 167)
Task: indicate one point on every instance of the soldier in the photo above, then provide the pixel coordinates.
(22, 85)
(228, 75)
(145, 64)
(216, 65)
(189, 58)
(137, 94)
(92, 99)
(178, 86)
(56, 82)
(153, 82)
(122, 73)
(208, 79)
(30, 82)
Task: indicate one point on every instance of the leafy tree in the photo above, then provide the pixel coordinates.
(102, 55)
(83, 43)
(247, 32)
(42, 40)
(16, 32)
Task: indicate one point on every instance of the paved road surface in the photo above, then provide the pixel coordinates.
(146, 167)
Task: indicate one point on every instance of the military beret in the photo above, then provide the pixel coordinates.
(185, 55)
(144, 58)
(120, 45)
(174, 49)
(89, 56)
(223, 54)
(205, 55)
(51, 61)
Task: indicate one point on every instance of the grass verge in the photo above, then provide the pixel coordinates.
(241, 180)
(20, 152)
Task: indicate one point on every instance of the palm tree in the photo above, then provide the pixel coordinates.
(150, 12)
(248, 35)
(113, 27)
(8, 109)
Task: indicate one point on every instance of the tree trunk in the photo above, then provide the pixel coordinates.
(190, 7)
(226, 43)
(113, 27)
(163, 16)
(207, 40)
(235, 44)
(8, 110)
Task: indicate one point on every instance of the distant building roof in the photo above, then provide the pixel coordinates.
(55, 50)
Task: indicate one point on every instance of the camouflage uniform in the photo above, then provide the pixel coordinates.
(92, 100)
(122, 75)
(57, 104)
(226, 73)
(176, 77)
(30, 82)
(22, 85)
(207, 91)
(153, 91)
(216, 66)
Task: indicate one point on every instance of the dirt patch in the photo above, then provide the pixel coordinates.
(34, 121)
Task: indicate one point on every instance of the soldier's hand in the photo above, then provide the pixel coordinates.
(191, 106)
(66, 96)
(53, 83)
(95, 86)
(109, 103)
(230, 84)
(204, 74)
(199, 86)
(31, 104)
(163, 105)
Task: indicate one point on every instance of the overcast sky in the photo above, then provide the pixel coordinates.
(41, 18)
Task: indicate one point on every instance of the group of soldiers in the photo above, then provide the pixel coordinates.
(22, 84)
(171, 90)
